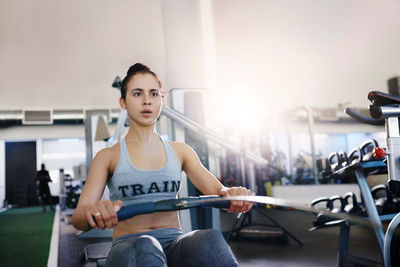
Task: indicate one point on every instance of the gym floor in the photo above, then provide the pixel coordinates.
(319, 247)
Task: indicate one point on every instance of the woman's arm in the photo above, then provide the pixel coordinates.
(91, 212)
(207, 183)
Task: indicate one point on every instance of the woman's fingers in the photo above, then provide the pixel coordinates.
(103, 214)
(90, 219)
(247, 205)
(98, 214)
(107, 213)
(238, 205)
(117, 205)
(113, 218)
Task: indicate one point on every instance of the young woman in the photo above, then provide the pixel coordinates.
(143, 167)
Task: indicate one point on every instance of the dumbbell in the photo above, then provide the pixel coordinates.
(342, 204)
(383, 200)
(321, 217)
(367, 149)
(354, 156)
(333, 160)
(352, 208)
(343, 161)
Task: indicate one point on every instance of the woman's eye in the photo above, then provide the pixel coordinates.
(136, 94)
(155, 94)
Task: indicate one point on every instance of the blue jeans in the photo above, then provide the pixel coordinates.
(170, 247)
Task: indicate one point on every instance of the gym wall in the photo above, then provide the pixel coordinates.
(304, 52)
(313, 53)
(65, 54)
(275, 54)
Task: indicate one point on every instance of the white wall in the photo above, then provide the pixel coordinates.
(317, 53)
(309, 52)
(46, 132)
(307, 193)
(65, 54)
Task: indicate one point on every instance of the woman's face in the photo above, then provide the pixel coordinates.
(143, 100)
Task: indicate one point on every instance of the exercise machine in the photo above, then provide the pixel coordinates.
(385, 110)
(96, 254)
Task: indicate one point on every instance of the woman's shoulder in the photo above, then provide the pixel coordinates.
(109, 153)
(181, 148)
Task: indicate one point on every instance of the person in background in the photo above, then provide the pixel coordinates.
(42, 180)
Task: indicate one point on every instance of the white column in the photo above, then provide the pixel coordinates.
(190, 63)
(2, 172)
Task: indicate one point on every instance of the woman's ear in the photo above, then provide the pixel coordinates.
(122, 103)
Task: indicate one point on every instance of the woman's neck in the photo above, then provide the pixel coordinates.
(143, 135)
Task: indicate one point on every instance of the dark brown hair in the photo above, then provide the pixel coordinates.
(138, 68)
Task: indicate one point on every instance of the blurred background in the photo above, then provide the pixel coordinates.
(257, 88)
(273, 76)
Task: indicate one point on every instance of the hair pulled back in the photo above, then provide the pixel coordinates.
(138, 68)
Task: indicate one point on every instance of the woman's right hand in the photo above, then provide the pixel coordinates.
(103, 214)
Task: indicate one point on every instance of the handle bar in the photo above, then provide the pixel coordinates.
(129, 211)
(355, 115)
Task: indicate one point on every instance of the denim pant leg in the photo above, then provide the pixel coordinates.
(200, 248)
(141, 250)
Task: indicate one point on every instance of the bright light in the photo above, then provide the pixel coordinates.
(242, 111)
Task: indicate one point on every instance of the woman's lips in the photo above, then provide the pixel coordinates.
(146, 113)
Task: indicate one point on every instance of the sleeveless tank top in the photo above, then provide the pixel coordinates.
(135, 186)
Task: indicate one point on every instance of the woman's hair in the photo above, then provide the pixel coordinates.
(138, 68)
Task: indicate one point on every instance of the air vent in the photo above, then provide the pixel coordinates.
(37, 117)
(327, 114)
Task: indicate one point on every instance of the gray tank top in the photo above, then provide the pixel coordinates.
(135, 186)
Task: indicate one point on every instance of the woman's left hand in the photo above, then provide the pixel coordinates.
(236, 205)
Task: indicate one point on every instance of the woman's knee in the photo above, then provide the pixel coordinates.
(143, 250)
(211, 244)
(147, 243)
(209, 236)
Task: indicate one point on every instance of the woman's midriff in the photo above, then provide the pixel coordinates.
(147, 222)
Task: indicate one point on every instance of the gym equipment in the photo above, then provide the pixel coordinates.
(72, 190)
(342, 204)
(385, 110)
(387, 106)
(96, 254)
(343, 161)
(321, 217)
(217, 202)
(367, 149)
(245, 228)
(354, 156)
(353, 207)
(359, 170)
(325, 220)
(333, 160)
(383, 200)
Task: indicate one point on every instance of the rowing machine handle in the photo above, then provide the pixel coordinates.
(129, 211)
(219, 205)
(135, 209)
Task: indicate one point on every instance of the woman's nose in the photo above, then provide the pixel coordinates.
(146, 100)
